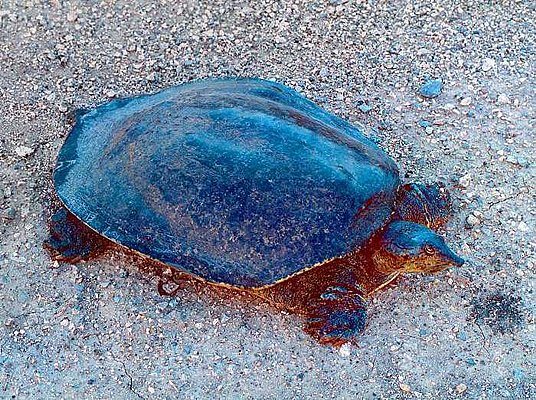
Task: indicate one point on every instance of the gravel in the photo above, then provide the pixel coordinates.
(431, 89)
(99, 329)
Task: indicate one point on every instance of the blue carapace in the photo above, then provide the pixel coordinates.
(246, 183)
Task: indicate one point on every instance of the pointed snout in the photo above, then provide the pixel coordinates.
(451, 257)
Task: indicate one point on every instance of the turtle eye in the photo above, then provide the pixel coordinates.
(429, 249)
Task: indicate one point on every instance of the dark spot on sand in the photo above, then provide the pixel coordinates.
(503, 313)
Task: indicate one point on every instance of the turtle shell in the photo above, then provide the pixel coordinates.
(239, 181)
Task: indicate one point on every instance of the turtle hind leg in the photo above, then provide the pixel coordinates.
(70, 240)
(428, 205)
(337, 317)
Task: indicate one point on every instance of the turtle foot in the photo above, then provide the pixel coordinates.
(70, 240)
(428, 205)
(338, 317)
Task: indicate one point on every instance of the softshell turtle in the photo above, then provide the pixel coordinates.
(247, 184)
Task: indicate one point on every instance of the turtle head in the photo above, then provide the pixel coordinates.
(410, 247)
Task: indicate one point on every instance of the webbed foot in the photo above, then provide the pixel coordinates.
(70, 240)
(337, 317)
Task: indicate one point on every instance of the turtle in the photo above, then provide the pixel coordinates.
(247, 184)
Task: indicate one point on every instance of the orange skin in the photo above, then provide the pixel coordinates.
(340, 285)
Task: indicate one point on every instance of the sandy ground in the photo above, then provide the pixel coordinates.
(100, 330)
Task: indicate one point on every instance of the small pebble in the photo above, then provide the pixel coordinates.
(471, 361)
(488, 64)
(471, 221)
(431, 88)
(7, 193)
(518, 374)
(465, 181)
(24, 151)
(511, 159)
(187, 349)
(466, 101)
(23, 296)
(365, 108)
(345, 350)
(405, 388)
(72, 16)
(424, 124)
(461, 388)
(503, 99)
(523, 227)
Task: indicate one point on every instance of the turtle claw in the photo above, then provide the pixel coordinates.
(338, 327)
(337, 317)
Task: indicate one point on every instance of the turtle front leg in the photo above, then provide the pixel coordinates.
(428, 205)
(331, 297)
(70, 240)
(337, 316)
